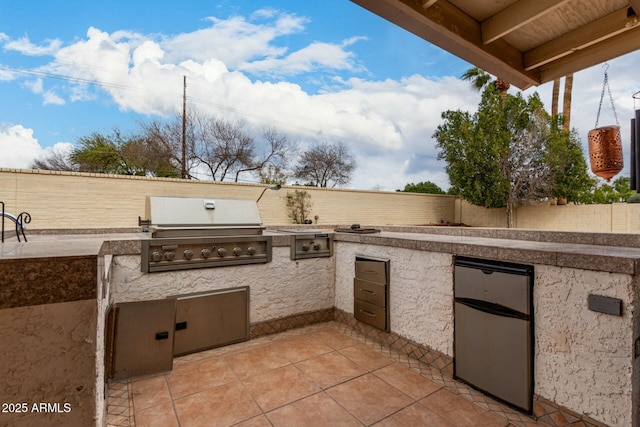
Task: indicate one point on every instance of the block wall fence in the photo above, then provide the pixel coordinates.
(70, 200)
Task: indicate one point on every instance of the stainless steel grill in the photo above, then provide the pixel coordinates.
(191, 233)
(309, 243)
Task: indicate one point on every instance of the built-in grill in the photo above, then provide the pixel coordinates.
(309, 243)
(191, 233)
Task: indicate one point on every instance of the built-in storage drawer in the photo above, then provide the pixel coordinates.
(369, 313)
(371, 271)
(370, 292)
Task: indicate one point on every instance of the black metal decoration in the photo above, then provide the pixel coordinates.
(20, 220)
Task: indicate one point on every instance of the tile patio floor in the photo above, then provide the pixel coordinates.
(320, 375)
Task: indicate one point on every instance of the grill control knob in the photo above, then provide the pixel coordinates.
(251, 250)
(188, 254)
(305, 247)
(156, 256)
(237, 251)
(316, 246)
(222, 252)
(169, 255)
(205, 253)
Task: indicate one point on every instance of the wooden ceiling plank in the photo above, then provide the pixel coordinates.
(426, 4)
(580, 38)
(613, 47)
(516, 16)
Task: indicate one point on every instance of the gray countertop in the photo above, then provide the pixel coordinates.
(617, 259)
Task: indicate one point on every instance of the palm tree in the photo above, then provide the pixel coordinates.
(479, 79)
(566, 105)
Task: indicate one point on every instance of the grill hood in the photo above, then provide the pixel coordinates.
(191, 216)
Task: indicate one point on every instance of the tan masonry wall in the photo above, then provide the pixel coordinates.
(609, 218)
(79, 200)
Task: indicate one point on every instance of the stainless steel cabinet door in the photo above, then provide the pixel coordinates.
(493, 353)
(213, 319)
(143, 341)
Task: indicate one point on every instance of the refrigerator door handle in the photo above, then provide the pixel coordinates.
(491, 308)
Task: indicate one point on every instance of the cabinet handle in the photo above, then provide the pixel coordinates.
(368, 291)
(367, 313)
(162, 335)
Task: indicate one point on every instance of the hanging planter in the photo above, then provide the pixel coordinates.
(605, 143)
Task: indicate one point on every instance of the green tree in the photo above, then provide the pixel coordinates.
(497, 157)
(272, 175)
(423, 187)
(568, 164)
(602, 193)
(121, 154)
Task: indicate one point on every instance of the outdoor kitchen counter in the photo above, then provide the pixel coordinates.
(614, 259)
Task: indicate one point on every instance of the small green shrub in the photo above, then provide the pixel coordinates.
(634, 198)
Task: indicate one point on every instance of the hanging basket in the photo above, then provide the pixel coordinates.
(605, 151)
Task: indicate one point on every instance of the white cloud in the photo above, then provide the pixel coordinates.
(51, 98)
(34, 85)
(233, 41)
(315, 57)
(18, 147)
(25, 47)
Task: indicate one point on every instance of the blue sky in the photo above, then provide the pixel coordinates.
(320, 71)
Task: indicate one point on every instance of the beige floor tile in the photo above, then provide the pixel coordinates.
(279, 387)
(301, 348)
(334, 339)
(316, 410)
(415, 415)
(369, 398)
(225, 405)
(197, 376)
(366, 357)
(460, 411)
(157, 416)
(259, 421)
(255, 361)
(149, 392)
(407, 381)
(331, 369)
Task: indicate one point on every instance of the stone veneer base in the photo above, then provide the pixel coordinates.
(544, 410)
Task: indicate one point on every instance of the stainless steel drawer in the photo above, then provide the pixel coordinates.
(370, 292)
(372, 314)
(372, 271)
(508, 290)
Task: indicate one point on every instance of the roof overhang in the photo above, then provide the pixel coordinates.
(525, 42)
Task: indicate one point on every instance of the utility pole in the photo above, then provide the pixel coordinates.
(183, 171)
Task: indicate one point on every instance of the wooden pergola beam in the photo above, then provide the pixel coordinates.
(580, 38)
(516, 16)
